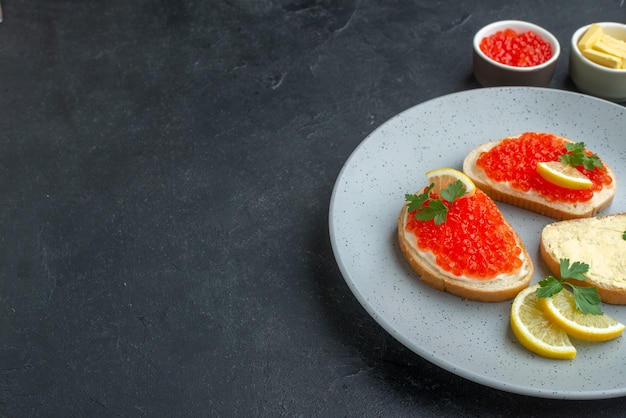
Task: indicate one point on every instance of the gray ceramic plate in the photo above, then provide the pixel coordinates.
(470, 339)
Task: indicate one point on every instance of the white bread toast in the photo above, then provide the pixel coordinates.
(496, 289)
(533, 201)
(598, 242)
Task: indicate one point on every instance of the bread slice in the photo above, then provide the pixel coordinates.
(499, 288)
(533, 201)
(598, 242)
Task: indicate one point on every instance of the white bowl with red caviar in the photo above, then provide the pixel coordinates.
(515, 53)
(593, 78)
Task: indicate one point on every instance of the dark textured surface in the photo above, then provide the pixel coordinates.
(166, 170)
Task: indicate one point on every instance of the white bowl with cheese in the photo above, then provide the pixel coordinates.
(593, 78)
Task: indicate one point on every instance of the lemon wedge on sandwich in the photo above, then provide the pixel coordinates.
(444, 177)
(563, 175)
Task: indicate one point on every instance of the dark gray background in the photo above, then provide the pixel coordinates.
(165, 175)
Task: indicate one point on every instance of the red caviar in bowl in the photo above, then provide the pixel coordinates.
(474, 240)
(515, 160)
(525, 49)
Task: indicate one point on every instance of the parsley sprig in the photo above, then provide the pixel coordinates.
(436, 209)
(587, 298)
(576, 156)
(624, 235)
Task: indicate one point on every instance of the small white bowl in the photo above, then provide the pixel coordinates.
(595, 79)
(490, 73)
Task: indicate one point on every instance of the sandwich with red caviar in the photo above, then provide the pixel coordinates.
(457, 240)
(543, 173)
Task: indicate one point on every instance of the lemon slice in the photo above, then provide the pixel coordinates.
(561, 309)
(535, 331)
(563, 175)
(443, 177)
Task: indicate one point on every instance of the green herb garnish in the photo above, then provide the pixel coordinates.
(624, 235)
(436, 209)
(576, 156)
(587, 298)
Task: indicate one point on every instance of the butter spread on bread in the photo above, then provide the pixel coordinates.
(598, 242)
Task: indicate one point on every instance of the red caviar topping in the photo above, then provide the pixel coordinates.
(516, 49)
(515, 161)
(474, 240)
